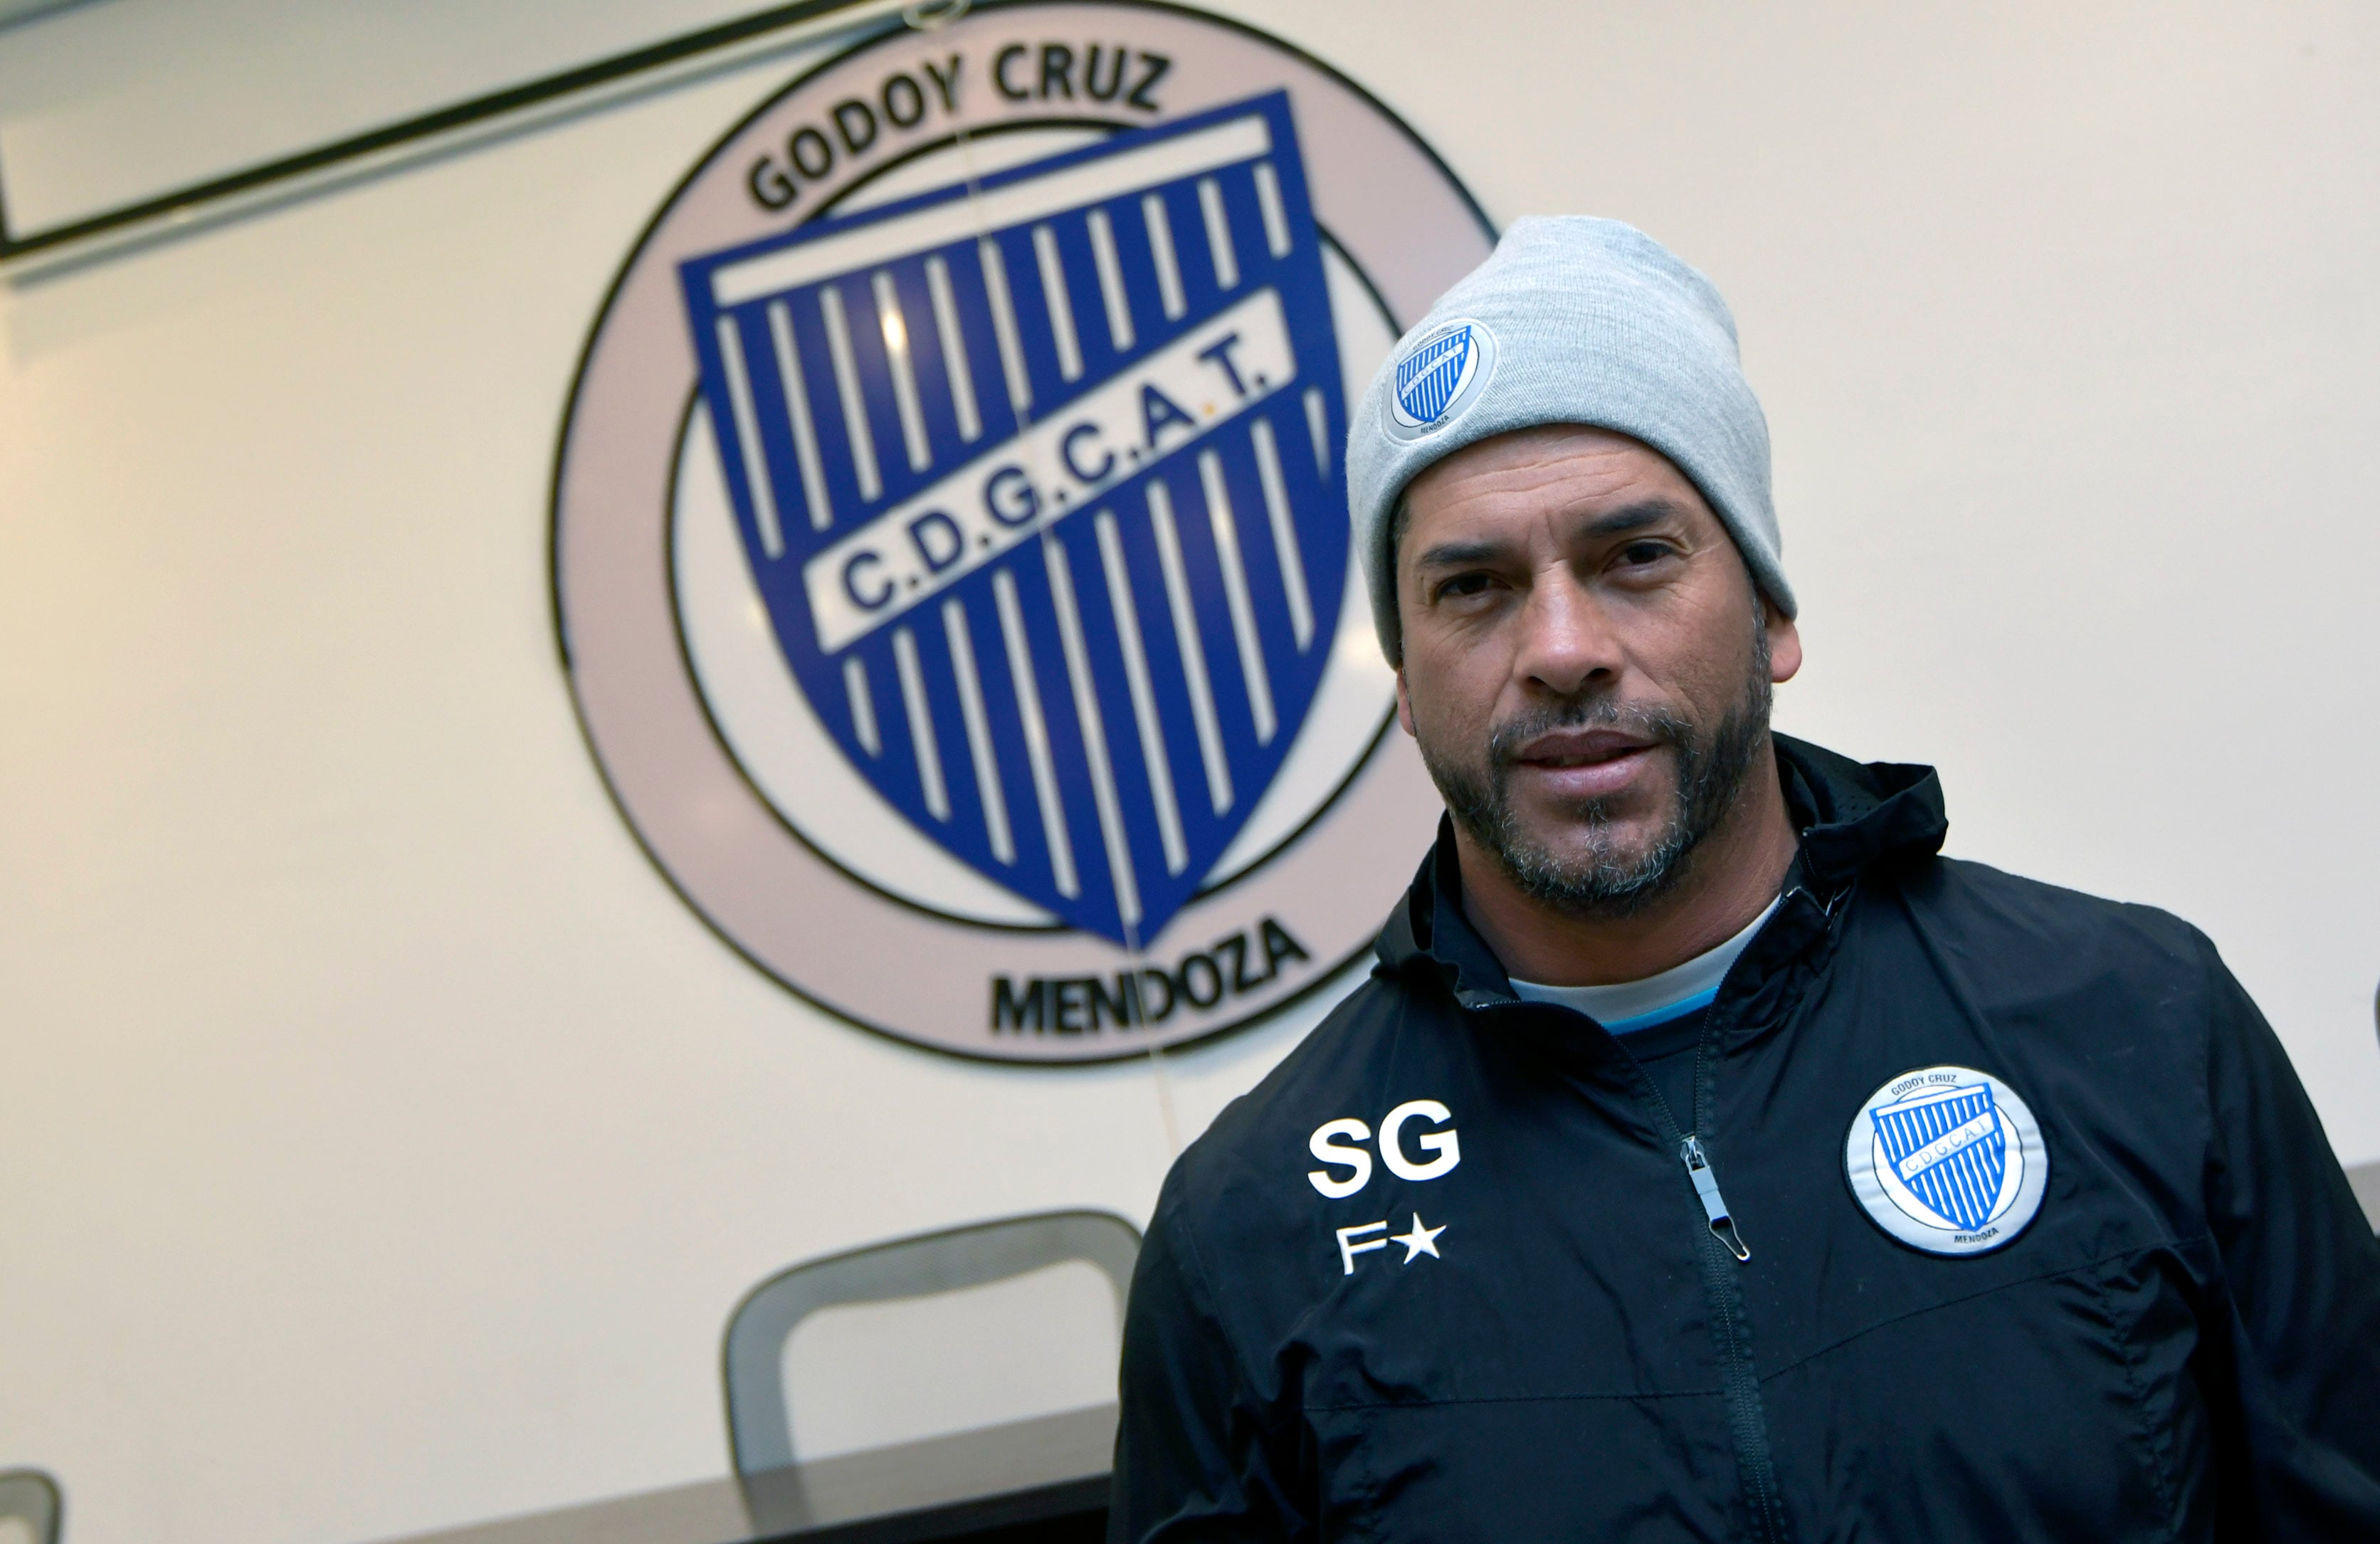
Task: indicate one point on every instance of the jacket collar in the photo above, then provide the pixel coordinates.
(1854, 817)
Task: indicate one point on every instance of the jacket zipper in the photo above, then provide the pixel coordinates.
(1747, 1420)
(1714, 1205)
(1721, 1253)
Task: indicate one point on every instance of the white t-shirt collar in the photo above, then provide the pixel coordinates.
(1640, 1005)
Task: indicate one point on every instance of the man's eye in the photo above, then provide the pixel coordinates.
(1463, 584)
(1639, 555)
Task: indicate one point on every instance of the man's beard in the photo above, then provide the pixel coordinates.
(1608, 882)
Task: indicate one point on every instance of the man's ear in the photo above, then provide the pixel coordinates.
(1784, 645)
(1404, 704)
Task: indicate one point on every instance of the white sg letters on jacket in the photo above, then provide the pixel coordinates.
(1336, 1144)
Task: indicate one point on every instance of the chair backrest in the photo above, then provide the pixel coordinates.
(30, 1497)
(2366, 1182)
(759, 1421)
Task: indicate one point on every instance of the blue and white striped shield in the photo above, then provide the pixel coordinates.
(1430, 376)
(1036, 481)
(1948, 1147)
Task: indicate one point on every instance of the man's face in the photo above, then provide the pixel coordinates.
(1586, 663)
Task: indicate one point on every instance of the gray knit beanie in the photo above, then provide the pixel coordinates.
(1570, 321)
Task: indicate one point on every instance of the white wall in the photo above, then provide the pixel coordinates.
(382, 1144)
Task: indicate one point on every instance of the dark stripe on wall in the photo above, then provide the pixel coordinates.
(444, 120)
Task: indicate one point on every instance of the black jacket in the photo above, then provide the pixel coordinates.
(2183, 1344)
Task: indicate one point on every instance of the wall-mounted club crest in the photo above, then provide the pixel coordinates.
(1035, 475)
(951, 548)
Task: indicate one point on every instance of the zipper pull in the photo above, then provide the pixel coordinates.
(1714, 1206)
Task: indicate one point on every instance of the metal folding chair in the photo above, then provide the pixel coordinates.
(2366, 1181)
(759, 1411)
(30, 1497)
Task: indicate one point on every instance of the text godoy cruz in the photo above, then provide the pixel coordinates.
(907, 102)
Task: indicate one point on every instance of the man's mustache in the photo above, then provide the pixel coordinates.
(1657, 724)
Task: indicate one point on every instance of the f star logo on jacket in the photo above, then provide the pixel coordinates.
(1420, 1241)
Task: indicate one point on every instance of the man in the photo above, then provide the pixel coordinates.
(1707, 1158)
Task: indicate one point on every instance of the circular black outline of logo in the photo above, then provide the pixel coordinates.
(708, 164)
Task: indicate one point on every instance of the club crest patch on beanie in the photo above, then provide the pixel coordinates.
(1570, 321)
(1439, 376)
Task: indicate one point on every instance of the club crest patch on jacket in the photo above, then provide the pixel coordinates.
(1948, 1160)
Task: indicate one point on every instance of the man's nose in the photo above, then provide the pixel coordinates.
(1566, 644)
